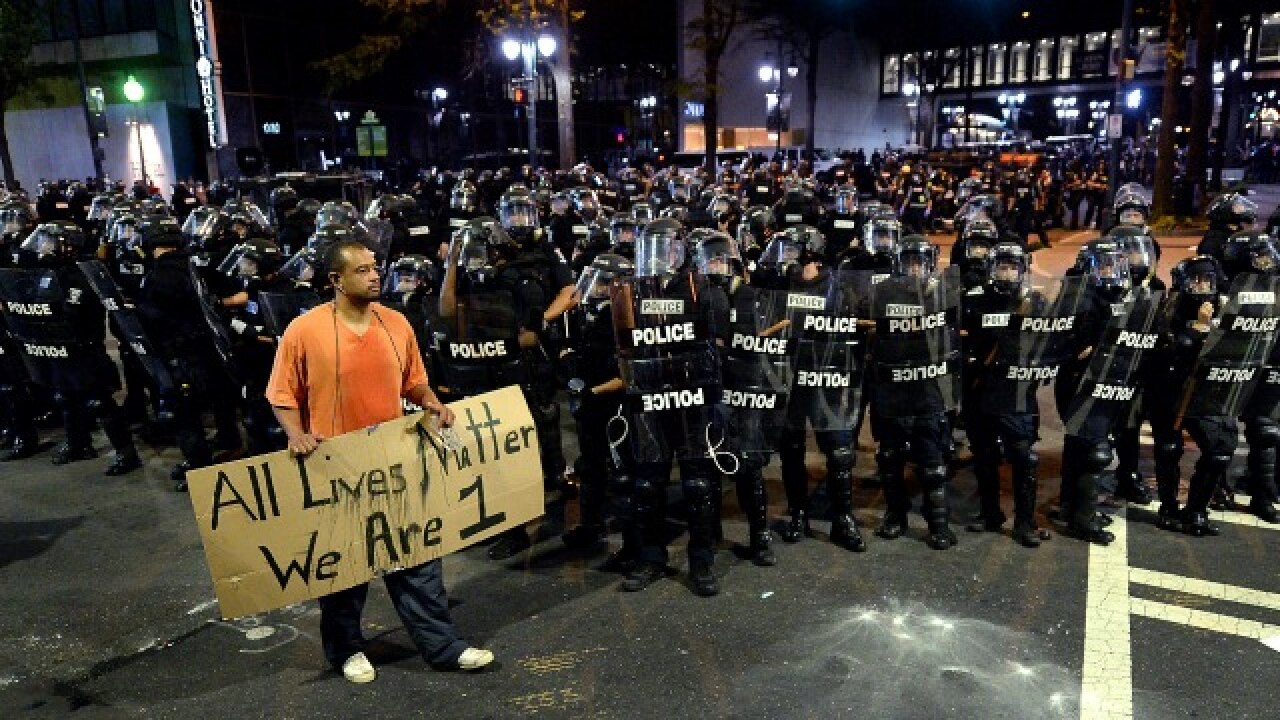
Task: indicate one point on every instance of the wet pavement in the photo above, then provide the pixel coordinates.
(109, 612)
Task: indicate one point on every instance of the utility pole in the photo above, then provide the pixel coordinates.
(530, 50)
(1117, 105)
(94, 149)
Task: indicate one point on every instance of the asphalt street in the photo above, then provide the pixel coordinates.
(109, 612)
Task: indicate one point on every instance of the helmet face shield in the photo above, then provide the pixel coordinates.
(846, 202)
(881, 237)
(782, 250)
(1007, 268)
(41, 244)
(718, 256)
(1132, 217)
(518, 214)
(917, 262)
(623, 233)
(659, 253)
(301, 267)
(1141, 252)
(1107, 269)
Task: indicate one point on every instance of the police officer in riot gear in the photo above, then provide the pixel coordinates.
(1253, 253)
(60, 324)
(496, 286)
(169, 307)
(1144, 255)
(596, 401)
(1015, 340)
(1209, 361)
(1229, 213)
(1100, 380)
(971, 253)
(664, 321)
(916, 384)
(842, 228)
(828, 367)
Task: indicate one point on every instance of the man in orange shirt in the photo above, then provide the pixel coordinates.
(343, 366)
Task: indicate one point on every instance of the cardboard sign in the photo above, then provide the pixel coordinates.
(278, 529)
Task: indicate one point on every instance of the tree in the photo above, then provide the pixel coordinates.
(801, 26)
(1175, 61)
(402, 19)
(553, 17)
(19, 28)
(709, 34)
(1201, 97)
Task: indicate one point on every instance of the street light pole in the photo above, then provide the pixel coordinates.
(1113, 144)
(134, 93)
(530, 52)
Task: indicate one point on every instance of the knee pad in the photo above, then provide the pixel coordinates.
(1022, 454)
(933, 476)
(644, 487)
(841, 458)
(1216, 463)
(698, 487)
(1262, 433)
(1098, 457)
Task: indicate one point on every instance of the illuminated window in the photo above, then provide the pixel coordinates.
(995, 63)
(890, 72)
(975, 65)
(1044, 60)
(953, 78)
(1066, 54)
(1018, 60)
(1269, 38)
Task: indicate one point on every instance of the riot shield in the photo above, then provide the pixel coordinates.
(829, 350)
(126, 325)
(280, 309)
(481, 349)
(1031, 343)
(1231, 360)
(917, 351)
(757, 370)
(1111, 383)
(216, 327)
(670, 367)
(33, 306)
(1266, 394)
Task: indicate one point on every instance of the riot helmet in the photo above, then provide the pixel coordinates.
(716, 256)
(660, 249)
(1250, 252)
(15, 220)
(678, 189)
(1130, 208)
(256, 257)
(281, 200)
(623, 231)
(916, 258)
(409, 274)
(518, 214)
(302, 267)
(846, 201)
(1008, 268)
(1232, 211)
(53, 244)
(1198, 278)
(643, 212)
(1106, 266)
(249, 210)
(202, 225)
(463, 197)
(881, 236)
(586, 203)
(596, 279)
(1140, 248)
(337, 212)
(153, 231)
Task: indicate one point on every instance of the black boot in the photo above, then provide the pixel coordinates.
(897, 505)
(1084, 522)
(584, 537)
(510, 543)
(755, 505)
(642, 576)
(797, 527)
(1132, 488)
(990, 518)
(1169, 517)
(844, 529)
(68, 453)
(939, 515)
(760, 550)
(1025, 531)
(1262, 480)
(1195, 516)
(704, 581)
(124, 463)
(23, 446)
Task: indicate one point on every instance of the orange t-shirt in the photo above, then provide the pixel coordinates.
(360, 385)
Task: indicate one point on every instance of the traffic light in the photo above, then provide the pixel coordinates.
(621, 137)
(520, 96)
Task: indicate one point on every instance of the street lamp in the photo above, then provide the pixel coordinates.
(134, 93)
(528, 48)
(1012, 103)
(770, 73)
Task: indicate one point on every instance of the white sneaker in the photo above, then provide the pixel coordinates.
(358, 669)
(474, 659)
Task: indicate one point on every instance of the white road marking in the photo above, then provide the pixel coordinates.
(1205, 620)
(1106, 688)
(1205, 588)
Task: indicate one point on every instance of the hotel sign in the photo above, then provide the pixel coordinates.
(206, 62)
